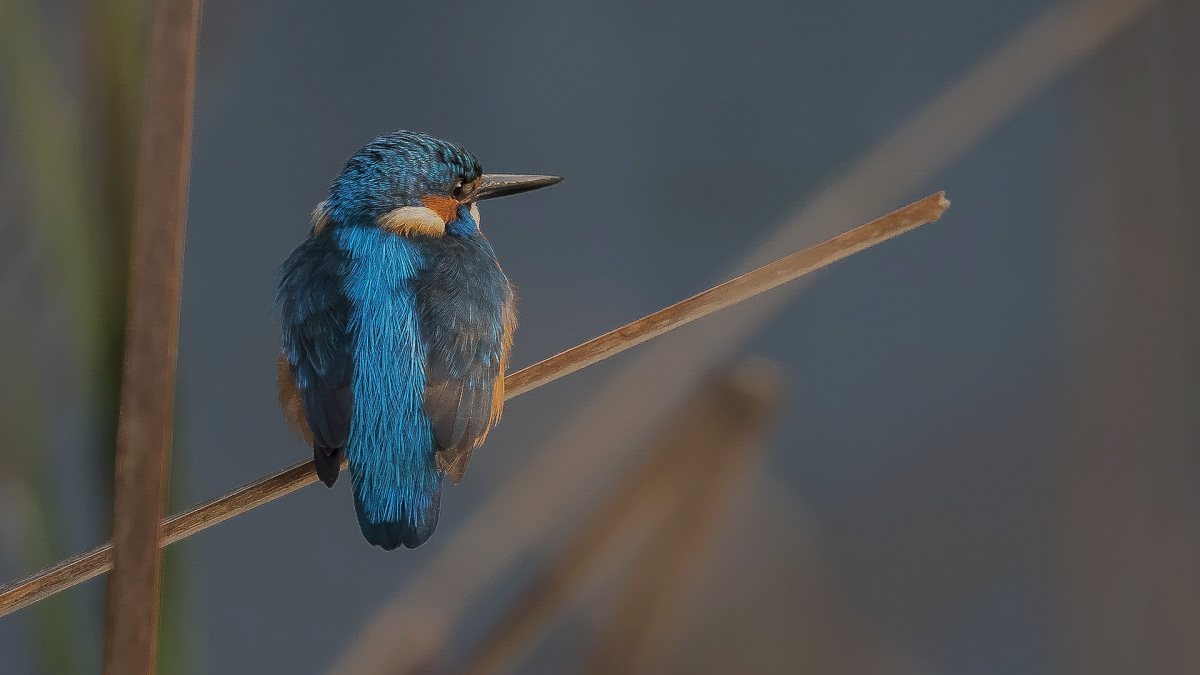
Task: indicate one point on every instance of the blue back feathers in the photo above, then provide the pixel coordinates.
(396, 344)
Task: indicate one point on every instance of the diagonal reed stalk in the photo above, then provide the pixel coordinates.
(87, 565)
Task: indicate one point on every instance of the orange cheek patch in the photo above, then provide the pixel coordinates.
(445, 207)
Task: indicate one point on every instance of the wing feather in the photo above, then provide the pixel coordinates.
(318, 348)
(468, 318)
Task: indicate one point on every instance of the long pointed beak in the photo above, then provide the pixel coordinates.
(504, 184)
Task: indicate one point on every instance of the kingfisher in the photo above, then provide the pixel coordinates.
(397, 323)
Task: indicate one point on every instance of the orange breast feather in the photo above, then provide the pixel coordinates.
(290, 399)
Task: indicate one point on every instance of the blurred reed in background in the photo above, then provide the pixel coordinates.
(73, 127)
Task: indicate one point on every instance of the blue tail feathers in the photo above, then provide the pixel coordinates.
(406, 530)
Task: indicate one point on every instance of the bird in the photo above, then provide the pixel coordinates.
(396, 324)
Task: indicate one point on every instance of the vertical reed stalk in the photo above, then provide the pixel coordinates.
(152, 337)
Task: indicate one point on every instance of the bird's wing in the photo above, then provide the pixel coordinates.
(318, 350)
(464, 385)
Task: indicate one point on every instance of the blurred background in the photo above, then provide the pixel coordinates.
(971, 449)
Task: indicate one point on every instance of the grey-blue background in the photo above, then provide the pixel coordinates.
(928, 378)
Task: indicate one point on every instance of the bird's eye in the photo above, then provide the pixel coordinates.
(460, 189)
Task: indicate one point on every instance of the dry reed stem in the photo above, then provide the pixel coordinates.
(726, 414)
(47, 582)
(152, 342)
(731, 292)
